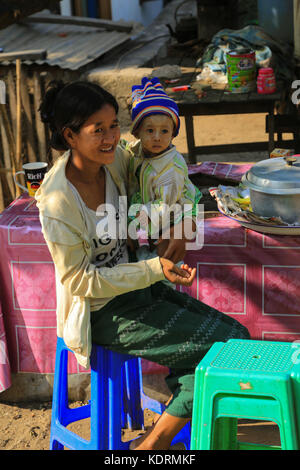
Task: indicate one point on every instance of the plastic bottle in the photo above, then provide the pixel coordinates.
(266, 82)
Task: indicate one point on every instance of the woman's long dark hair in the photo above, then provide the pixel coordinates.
(70, 105)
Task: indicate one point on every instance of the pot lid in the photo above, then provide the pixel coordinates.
(275, 175)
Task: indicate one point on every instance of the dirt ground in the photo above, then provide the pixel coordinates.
(27, 426)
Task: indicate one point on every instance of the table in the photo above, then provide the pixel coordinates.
(28, 297)
(252, 277)
(217, 102)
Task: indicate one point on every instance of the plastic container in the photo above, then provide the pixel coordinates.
(266, 82)
(276, 18)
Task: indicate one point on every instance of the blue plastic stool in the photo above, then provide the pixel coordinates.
(117, 401)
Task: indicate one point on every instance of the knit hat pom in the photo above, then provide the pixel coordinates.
(150, 98)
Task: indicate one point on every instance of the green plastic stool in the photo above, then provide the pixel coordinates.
(245, 379)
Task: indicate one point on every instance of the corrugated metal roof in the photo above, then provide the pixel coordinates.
(68, 46)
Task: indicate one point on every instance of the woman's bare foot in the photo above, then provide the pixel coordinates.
(160, 435)
(135, 443)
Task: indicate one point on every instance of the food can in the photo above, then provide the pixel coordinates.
(241, 71)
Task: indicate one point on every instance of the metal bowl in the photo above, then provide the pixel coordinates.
(275, 188)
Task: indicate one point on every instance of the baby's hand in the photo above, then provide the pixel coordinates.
(143, 219)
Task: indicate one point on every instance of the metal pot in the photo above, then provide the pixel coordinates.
(275, 188)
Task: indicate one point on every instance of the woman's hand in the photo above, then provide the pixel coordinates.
(173, 249)
(183, 276)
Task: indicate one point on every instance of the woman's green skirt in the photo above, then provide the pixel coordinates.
(166, 327)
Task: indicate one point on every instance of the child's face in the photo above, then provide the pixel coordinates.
(156, 133)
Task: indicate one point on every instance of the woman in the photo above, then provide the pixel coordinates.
(101, 297)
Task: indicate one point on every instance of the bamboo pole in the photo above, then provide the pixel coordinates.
(7, 160)
(9, 136)
(40, 126)
(18, 122)
(27, 118)
(11, 89)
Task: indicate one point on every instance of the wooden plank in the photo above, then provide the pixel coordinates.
(189, 126)
(239, 147)
(2, 203)
(9, 134)
(213, 96)
(236, 97)
(11, 144)
(30, 141)
(104, 7)
(32, 54)
(11, 88)
(216, 108)
(78, 8)
(40, 126)
(276, 96)
(6, 159)
(79, 21)
(19, 122)
(271, 132)
(217, 102)
(5, 197)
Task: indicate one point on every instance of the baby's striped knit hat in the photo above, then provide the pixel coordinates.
(150, 98)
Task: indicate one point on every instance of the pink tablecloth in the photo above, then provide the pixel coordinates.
(252, 277)
(223, 171)
(27, 296)
(5, 378)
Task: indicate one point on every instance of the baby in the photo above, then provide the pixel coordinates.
(158, 172)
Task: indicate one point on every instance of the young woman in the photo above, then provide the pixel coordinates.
(101, 297)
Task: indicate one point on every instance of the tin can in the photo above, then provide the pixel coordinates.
(241, 71)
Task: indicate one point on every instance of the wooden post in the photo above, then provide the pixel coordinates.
(31, 148)
(2, 202)
(18, 121)
(80, 21)
(6, 159)
(9, 152)
(104, 9)
(40, 126)
(11, 89)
